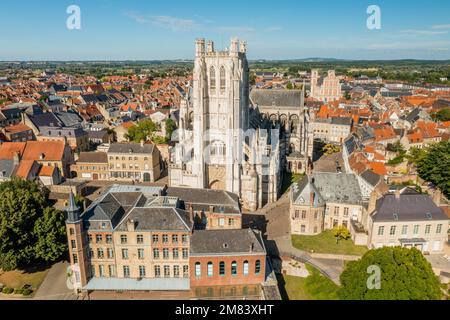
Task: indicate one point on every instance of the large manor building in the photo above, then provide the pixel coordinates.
(164, 242)
(235, 139)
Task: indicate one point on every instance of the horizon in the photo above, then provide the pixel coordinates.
(158, 31)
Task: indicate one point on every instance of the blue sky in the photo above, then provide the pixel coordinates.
(277, 29)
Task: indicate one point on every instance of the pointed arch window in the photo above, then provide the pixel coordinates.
(222, 80)
(212, 78)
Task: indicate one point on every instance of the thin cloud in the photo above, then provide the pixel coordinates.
(441, 26)
(175, 24)
(422, 32)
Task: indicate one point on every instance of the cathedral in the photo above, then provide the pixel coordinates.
(236, 139)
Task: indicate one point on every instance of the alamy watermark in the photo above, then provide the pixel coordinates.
(374, 19)
(374, 280)
(73, 22)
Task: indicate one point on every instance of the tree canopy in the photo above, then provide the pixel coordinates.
(30, 231)
(143, 131)
(433, 165)
(405, 274)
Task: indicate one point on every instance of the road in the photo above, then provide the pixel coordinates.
(54, 286)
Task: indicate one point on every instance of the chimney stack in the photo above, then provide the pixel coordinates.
(437, 197)
(131, 225)
(311, 198)
(397, 194)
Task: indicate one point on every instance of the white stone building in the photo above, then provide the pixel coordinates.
(224, 142)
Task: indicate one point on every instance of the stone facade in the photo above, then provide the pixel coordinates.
(326, 89)
(225, 143)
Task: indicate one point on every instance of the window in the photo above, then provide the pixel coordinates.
(75, 258)
(427, 229)
(184, 238)
(222, 80)
(155, 238)
(101, 271)
(316, 215)
(142, 271)
(124, 253)
(165, 253)
(392, 231)
(257, 266)
(198, 269)
(100, 253)
(108, 238)
(126, 271)
(212, 78)
(157, 271)
(73, 244)
(174, 238)
(303, 214)
(234, 268)
(123, 239)
(140, 238)
(245, 267)
(416, 229)
(71, 231)
(303, 228)
(165, 238)
(185, 253)
(112, 270)
(91, 253)
(110, 253)
(297, 214)
(175, 254)
(222, 268)
(230, 222)
(439, 229)
(166, 271)
(210, 269)
(140, 253)
(404, 230)
(380, 230)
(176, 271)
(345, 212)
(336, 211)
(221, 222)
(89, 238)
(98, 238)
(155, 253)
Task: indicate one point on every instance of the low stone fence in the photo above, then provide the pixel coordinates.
(334, 256)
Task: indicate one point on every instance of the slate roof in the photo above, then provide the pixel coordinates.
(301, 193)
(226, 242)
(93, 157)
(107, 209)
(341, 121)
(47, 119)
(133, 147)
(280, 98)
(204, 196)
(371, 177)
(158, 219)
(69, 119)
(7, 167)
(409, 206)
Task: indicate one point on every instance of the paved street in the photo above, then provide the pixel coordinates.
(54, 286)
(278, 239)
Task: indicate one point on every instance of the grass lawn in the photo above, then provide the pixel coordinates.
(314, 287)
(16, 279)
(326, 243)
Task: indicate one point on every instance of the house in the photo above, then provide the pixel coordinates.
(322, 201)
(134, 162)
(91, 166)
(139, 239)
(408, 219)
(17, 133)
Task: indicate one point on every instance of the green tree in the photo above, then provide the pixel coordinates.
(290, 86)
(22, 209)
(433, 165)
(143, 131)
(442, 115)
(341, 233)
(405, 275)
(50, 233)
(170, 127)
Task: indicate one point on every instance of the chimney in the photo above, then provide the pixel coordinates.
(142, 143)
(437, 197)
(373, 202)
(16, 158)
(397, 194)
(311, 198)
(252, 247)
(131, 225)
(211, 209)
